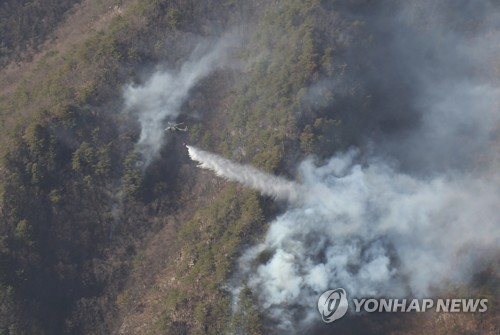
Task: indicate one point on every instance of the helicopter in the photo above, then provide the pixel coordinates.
(173, 127)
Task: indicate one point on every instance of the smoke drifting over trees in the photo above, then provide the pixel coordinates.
(159, 100)
(415, 206)
(376, 123)
(390, 217)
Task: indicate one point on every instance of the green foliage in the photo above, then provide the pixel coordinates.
(92, 161)
(307, 140)
(98, 49)
(132, 177)
(87, 94)
(55, 197)
(158, 48)
(23, 230)
(264, 256)
(59, 173)
(25, 25)
(285, 57)
(133, 55)
(211, 242)
(118, 27)
(175, 298)
(320, 138)
(55, 170)
(247, 319)
(173, 17)
(21, 97)
(55, 89)
(74, 194)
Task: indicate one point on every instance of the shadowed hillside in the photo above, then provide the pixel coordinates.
(26, 25)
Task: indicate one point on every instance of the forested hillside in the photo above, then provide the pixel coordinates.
(95, 239)
(25, 25)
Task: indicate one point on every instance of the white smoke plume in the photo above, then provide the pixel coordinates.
(161, 97)
(367, 228)
(414, 210)
(267, 184)
(374, 232)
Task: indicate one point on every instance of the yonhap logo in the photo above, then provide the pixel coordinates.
(332, 305)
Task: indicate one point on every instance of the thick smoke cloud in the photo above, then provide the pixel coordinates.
(414, 207)
(430, 73)
(367, 228)
(374, 232)
(160, 98)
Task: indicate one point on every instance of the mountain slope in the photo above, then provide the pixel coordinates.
(93, 240)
